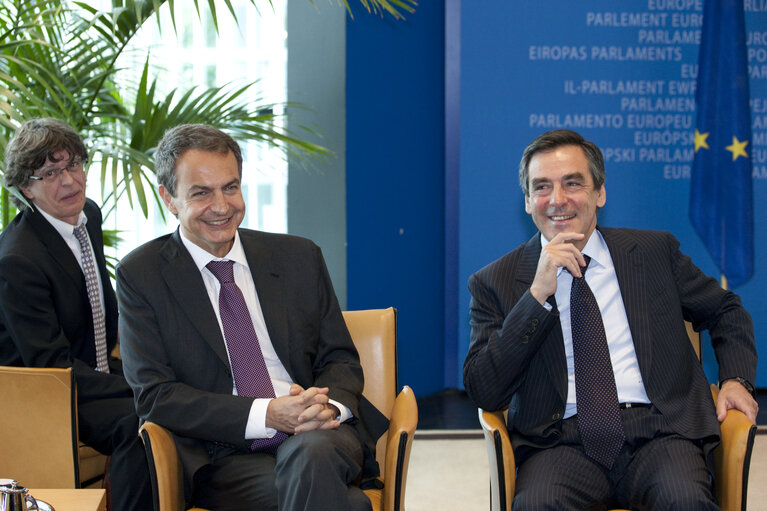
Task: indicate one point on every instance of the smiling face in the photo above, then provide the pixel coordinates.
(62, 197)
(208, 201)
(561, 195)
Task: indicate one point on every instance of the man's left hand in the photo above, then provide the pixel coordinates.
(734, 395)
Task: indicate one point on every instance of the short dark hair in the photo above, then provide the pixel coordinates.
(558, 138)
(34, 142)
(176, 141)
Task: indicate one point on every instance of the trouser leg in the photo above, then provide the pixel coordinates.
(314, 471)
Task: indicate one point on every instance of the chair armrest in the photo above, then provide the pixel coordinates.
(500, 456)
(404, 420)
(164, 467)
(732, 458)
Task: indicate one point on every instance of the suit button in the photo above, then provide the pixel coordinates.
(525, 339)
(556, 417)
(535, 322)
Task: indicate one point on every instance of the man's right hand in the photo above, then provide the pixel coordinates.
(559, 253)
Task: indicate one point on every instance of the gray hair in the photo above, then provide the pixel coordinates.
(558, 138)
(34, 142)
(176, 141)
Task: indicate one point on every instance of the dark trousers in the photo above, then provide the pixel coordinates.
(656, 470)
(111, 427)
(316, 470)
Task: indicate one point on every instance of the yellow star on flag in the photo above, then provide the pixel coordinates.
(737, 148)
(700, 140)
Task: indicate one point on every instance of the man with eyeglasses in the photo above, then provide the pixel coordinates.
(57, 304)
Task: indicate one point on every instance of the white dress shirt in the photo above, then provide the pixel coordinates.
(603, 282)
(281, 380)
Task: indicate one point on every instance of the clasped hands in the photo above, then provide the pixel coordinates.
(302, 410)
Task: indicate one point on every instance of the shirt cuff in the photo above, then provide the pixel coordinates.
(346, 414)
(256, 426)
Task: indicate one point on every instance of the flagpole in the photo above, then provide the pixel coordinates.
(724, 282)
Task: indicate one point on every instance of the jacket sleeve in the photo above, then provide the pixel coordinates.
(505, 334)
(709, 307)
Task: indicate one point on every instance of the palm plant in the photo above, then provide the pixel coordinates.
(60, 59)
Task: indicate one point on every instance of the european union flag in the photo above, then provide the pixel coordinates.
(721, 197)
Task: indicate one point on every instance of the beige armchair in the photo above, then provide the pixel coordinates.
(374, 333)
(40, 447)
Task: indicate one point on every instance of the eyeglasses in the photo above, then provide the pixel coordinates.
(50, 175)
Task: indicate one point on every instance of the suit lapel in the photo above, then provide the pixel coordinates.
(185, 283)
(268, 278)
(631, 273)
(553, 348)
(58, 249)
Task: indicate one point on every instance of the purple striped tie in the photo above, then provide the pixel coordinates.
(251, 377)
(599, 420)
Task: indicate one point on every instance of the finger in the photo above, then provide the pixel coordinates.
(580, 259)
(574, 269)
(721, 410)
(310, 413)
(315, 395)
(296, 389)
(317, 424)
(307, 395)
(316, 412)
(567, 237)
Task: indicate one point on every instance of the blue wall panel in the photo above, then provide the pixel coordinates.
(395, 180)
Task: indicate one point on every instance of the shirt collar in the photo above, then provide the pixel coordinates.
(202, 257)
(65, 229)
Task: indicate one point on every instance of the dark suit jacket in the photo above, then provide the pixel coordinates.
(174, 353)
(517, 355)
(45, 314)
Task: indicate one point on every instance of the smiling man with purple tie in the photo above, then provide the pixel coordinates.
(233, 340)
(580, 332)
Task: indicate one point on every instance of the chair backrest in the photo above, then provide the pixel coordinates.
(694, 337)
(39, 445)
(374, 333)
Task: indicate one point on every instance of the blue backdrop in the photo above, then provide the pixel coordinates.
(439, 108)
(624, 75)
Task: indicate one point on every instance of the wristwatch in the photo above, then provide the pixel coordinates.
(742, 381)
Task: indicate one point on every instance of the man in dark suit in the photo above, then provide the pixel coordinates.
(295, 444)
(527, 354)
(47, 318)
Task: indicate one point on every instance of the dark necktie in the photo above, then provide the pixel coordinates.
(251, 378)
(599, 420)
(92, 285)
